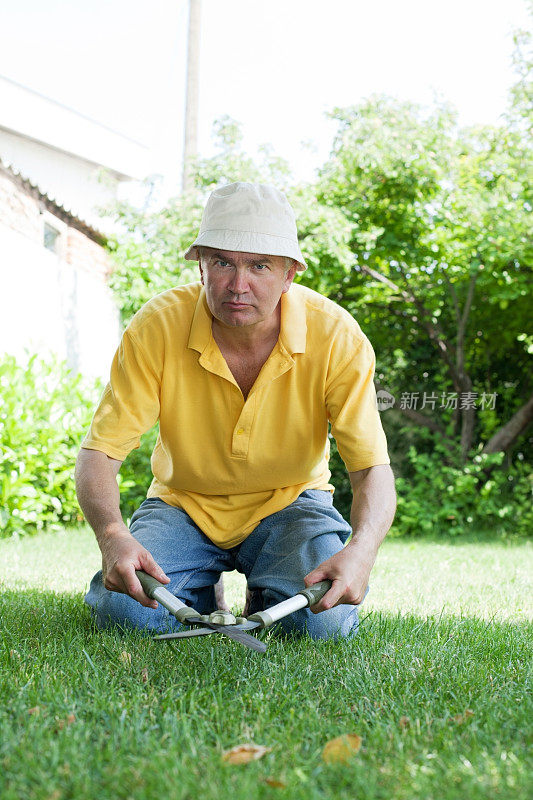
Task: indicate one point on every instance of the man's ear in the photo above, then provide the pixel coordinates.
(289, 277)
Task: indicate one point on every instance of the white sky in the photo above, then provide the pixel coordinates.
(274, 65)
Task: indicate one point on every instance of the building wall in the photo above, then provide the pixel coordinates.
(63, 151)
(70, 180)
(57, 301)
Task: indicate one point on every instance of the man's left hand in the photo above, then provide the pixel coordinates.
(349, 571)
(373, 506)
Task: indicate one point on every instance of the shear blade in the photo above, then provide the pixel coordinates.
(185, 634)
(232, 632)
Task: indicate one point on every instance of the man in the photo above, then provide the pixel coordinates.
(244, 371)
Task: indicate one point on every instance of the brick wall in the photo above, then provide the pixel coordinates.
(24, 212)
(19, 211)
(86, 254)
(51, 297)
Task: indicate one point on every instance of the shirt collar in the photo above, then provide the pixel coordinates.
(293, 329)
(200, 333)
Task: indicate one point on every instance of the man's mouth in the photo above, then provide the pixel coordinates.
(233, 304)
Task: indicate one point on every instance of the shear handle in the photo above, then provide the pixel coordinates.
(156, 590)
(304, 598)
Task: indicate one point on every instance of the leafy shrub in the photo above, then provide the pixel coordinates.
(342, 497)
(438, 498)
(45, 411)
(435, 498)
(135, 474)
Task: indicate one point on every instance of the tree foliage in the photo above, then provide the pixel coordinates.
(440, 237)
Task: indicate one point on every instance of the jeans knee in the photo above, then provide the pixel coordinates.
(114, 608)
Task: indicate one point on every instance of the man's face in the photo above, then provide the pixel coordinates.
(243, 288)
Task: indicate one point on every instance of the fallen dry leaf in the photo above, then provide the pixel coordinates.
(341, 749)
(125, 658)
(35, 710)
(144, 674)
(459, 719)
(68, 721)
(275, 783)
(243, 753)
(404, 722)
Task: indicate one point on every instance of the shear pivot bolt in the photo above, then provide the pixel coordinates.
(222, 618)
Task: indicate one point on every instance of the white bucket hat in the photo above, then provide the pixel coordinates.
(249, 218)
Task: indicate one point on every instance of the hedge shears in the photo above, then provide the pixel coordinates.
(235, 628)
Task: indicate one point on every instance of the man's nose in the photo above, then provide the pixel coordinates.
(239, 281)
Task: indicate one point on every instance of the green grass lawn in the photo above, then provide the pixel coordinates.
(435, 684)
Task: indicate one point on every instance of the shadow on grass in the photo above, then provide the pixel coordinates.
(46, 616)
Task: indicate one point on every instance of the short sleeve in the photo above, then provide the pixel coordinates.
(352, 409)
(130, 404)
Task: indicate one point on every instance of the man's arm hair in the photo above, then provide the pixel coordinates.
(373, 505)
(99, 498)
(97, 491)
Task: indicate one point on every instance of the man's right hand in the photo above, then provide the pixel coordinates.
(121, 556)
(99, 498)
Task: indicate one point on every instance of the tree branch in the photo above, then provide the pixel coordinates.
(468, 303)
(469, 414)
(396, 312)
(416, 416)
(509, 433)
(461, 324)
(453, 294)
(434, 331)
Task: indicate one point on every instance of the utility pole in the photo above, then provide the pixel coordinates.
(190, 141)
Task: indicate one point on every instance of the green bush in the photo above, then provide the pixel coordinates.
(482, 495)
(44, 413)
(435, 498)
(135, 474)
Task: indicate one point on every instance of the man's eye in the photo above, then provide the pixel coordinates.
(221, 263)
(261, 267)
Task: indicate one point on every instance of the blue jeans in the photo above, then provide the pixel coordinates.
(275, 557)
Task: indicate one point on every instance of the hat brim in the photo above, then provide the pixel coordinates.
(248, 242)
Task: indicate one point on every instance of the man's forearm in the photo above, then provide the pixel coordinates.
(374, 503)
(373, 509)
(98, 493)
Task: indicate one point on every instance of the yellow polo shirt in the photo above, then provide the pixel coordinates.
(226, 461)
